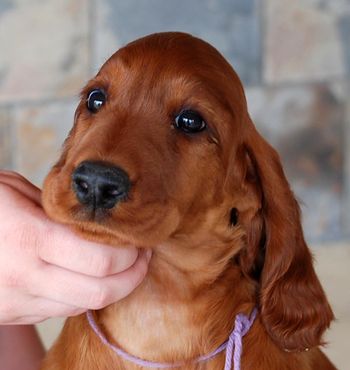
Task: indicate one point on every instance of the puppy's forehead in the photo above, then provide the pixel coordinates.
(171, 70)
(170, 56)
(170, 49)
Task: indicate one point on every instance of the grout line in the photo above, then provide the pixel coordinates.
(91, 39)
(260, 6)
(13, 138)
(345, 208)
(293, 84)
(39, 101)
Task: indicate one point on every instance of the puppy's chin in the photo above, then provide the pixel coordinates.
(104, 236)
(100, 227)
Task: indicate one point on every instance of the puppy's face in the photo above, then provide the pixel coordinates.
(163, 151)
(152, 144)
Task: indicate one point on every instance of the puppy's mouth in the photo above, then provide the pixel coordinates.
(123, 225)
(99, 226)
(89, 214)
(101, 203)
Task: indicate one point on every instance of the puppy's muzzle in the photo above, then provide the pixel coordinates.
(99, 185)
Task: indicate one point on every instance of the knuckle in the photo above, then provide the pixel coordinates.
(76, 312)
(12, 279)
(8, 312)
(6, 173)
(99, 298)
(6, 191)
(130, 258)
(139, 274)
(143, 270)
(103, 266)
(34, 319)
(70, 311)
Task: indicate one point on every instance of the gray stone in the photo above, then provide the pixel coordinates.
(243, 6)
(6, 140)
(306, 124)
(6, 5)
(41, 130)
(44, 49)
(344, 32)
(346, 183)
(232, 27)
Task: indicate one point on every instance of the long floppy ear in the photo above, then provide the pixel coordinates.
(294, 308)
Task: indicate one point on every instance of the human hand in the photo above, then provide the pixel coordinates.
(46, 270)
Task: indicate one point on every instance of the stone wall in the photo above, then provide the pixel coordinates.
(293, 58)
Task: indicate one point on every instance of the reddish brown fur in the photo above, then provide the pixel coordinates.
(203, 270)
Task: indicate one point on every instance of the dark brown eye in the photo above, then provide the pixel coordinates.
(95, 100)
(190, 122)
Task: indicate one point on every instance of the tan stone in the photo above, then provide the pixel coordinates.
(302, 41)
(306, 124)
(346, 143)
(40, 131)
(44, 49)
(6, 144)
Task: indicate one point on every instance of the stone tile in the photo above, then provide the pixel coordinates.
(6, 5)
(346, 200)
(306, 124)
(41, 131)
(302, 40)
(6, 144)
(49, 330)
(44, 48)
(344, 34)
(231, 26)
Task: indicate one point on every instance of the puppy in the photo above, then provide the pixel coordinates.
(163, 155)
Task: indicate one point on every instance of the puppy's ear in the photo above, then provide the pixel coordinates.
(294, 307)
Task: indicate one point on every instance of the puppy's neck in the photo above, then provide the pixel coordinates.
(180, 311)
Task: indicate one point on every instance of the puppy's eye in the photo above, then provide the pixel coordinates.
(189, 121)
(95, 100)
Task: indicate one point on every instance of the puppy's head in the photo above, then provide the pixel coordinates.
(163, 149)
(148, 155)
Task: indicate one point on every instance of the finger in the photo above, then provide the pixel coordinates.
(27, 320)
(17, 176)
(85, 291)
(17, 308)
(13, 203)
(44, 307)
(23, 186)
(63, 248)
(11, 173)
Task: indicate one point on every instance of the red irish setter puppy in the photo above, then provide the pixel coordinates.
(163, 155)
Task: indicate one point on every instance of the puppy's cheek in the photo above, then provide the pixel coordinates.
(51, 195)
(152, 228)
(48, 190)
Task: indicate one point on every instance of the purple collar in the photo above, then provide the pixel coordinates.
(233, 345)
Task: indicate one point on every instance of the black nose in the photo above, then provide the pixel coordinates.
(99, 184)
